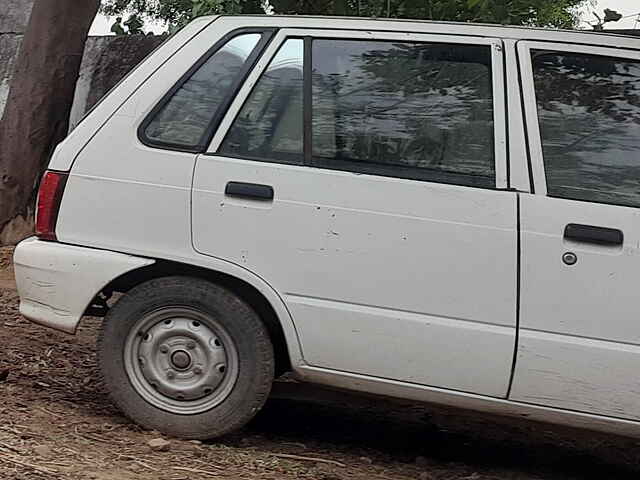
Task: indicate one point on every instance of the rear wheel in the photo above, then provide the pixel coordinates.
(186, 357)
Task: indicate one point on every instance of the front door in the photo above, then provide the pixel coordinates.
(360, 177)
(579, 343)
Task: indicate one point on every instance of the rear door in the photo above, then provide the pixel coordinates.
(579, 343)
(360, 174)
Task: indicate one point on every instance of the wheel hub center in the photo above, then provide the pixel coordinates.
(181, 359)
(181, 362)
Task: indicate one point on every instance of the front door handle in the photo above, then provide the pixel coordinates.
(592, 234)
(253, 191)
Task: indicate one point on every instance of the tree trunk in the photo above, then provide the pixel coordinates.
(36, 115)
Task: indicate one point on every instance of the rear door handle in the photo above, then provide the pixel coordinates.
(253, 191)
(592, 234)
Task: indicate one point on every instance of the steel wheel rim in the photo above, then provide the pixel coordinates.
(181, 360)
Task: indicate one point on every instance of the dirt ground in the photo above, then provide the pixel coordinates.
(57, 422)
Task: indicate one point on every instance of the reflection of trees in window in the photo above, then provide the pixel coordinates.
(270, 123)
(185, 118)
(426, 106)
(589, 114)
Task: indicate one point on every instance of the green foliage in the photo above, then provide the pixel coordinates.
(170, 11)
(552, 13)
(117, 27)
(211, 7)
(609, 16)
(177, 12)
(132, 26)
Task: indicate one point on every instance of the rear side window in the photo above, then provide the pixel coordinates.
(270, 125)
(183, 121)
(421, 111)
(413, 110)
(589, 116)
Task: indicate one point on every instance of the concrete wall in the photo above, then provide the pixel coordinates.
(9, 44)
(106, 59)
(14, 15)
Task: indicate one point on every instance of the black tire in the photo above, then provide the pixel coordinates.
(255, 357)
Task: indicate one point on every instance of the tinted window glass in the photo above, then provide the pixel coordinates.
(412, 110)
(183, 121)
(269, 125)
(589, 114)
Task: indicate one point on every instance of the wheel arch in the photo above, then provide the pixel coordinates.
(252, 289)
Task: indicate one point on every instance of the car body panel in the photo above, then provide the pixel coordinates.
(579, 335)
(127, 204)
(57, 282)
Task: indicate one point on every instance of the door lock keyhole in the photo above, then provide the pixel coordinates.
(569, 258)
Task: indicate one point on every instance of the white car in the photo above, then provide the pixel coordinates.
(441, 212)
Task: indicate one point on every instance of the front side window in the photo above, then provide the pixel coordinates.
(413, 110)
(184, 120)
(589, 116)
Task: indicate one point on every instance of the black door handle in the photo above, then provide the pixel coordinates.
(592, 234)
(254, 191)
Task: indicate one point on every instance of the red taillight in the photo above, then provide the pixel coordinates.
(49, 197)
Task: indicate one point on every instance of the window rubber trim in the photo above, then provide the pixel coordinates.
(505, 86)
(307, 101)
(525, 124)
(490, 184)
(267, 35)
